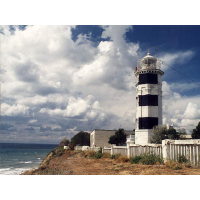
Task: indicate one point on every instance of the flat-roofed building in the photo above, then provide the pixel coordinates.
(99, 138)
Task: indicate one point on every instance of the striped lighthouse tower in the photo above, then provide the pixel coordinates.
(148, 98)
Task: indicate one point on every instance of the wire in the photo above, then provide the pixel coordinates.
(180, 73)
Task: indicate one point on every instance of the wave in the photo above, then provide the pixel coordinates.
(12, 171)
(26, 162)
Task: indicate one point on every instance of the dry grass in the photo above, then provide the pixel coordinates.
(79, 163)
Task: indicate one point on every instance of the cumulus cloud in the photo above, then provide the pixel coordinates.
(54, 77)
(57, 86)
(181, 111)
(12, 110)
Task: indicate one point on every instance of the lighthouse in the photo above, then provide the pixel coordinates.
(148, 98)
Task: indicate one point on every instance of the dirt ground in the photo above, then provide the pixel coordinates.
(78, 163)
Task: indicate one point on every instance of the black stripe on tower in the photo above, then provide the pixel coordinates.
(148, 100)
(148, 78)
(147, 122)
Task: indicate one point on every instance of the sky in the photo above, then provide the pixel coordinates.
(59, 80)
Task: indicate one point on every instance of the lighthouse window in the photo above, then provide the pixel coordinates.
(148, 78)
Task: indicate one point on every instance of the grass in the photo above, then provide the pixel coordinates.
(79, 164)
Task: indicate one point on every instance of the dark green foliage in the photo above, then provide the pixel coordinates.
(173, 134)
(119, 138)
(95, 155)
(182, 159)
(98, 155)
(113, 157)
(64, 142)
(81, 138)
(196, 132)
(161, 132)
(135, 159)
(58, 151)
(147, 159)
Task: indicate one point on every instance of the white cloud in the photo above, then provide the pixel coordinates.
(176, 57)
(182, 111)
(67, 84)
(32, 121)
(14, 110)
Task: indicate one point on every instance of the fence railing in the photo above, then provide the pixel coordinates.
(168, 150)
(138, 150)
(190, 149)
(134, 150)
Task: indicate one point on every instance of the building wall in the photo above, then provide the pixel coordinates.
(99, 138)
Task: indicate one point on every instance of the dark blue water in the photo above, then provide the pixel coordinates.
(16, 158)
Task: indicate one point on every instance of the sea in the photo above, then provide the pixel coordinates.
(16, 158)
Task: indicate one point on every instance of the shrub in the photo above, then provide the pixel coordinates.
(58, 151)
(91, 154)
(147, 159)
(115, 156)
(182, 159)
(135, 159)
(64, 142)
(98, 155)
(150, 159)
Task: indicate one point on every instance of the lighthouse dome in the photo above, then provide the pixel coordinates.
(148, 62)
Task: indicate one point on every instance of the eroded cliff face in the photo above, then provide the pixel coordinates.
(46, 161)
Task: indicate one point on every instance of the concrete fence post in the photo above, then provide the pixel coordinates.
(111, 152)
(128, 151)
(165, 149)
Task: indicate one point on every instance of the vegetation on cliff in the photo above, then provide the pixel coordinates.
(68, 162)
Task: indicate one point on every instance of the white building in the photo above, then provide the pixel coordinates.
(99, 137)
(148, 98)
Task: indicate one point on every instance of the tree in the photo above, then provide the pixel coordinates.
(161, 132)
(119, 138)
(173, 134)
(81, 138)
(64, 142)
(196, 132)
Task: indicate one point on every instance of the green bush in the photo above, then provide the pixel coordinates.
(182, 159)
(98, 155)
(115, 156)
(93, 154)
(150, 159)
(135, 159)
(146, 159)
